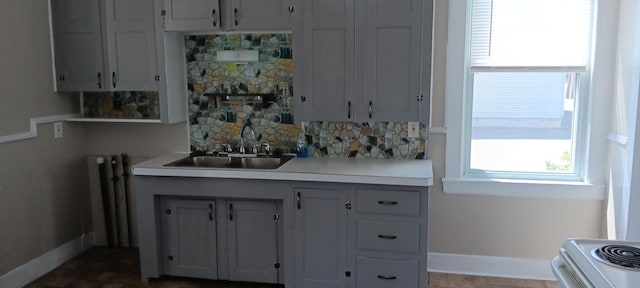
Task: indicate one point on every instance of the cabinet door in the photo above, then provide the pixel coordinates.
(324, 60)
(189, 234)
(130, 33)
(394, 60)
(321, 238)
(258, 15)
(252, 238)
(192, 15)
(77, 45)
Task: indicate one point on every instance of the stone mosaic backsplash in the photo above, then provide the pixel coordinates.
(223, 96)
(371, 139)
(121, 105)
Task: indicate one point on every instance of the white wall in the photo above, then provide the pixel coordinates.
(49, 177)
(532, 228)
(141, 142)
(43, 199)
(624, 165)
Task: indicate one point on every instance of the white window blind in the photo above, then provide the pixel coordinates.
(545, 35)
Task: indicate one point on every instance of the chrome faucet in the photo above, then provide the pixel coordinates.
(247, 124)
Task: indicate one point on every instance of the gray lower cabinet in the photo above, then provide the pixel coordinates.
(387, 273)
(362, 236)
(300, 234)
(253, 241)
(391, 238)
(321, 238)
(192, 233)
(189, 238)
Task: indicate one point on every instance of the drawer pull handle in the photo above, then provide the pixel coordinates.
(235, 16)
(391, 237)
(388, 203)
(386, 277)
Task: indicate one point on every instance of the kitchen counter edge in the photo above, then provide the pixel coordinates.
(316, 169)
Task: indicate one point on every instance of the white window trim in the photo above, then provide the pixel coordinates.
(592, 187)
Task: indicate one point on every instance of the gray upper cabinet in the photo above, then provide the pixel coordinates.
(131, 48)
(196, 15)
(253, 241)
(189, 237)
(397, 67)
(324, 60)
(321, 238)
(78, 45)
(258, 15)
(104, 45)
(363, 60)
(227, 15)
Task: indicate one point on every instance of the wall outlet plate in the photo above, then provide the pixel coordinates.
(57, 130)
(414, 130)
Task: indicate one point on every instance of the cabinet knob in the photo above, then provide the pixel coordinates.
(99, 80)
(303, 98)
(349, 113)
(370, 109)
(61, 77)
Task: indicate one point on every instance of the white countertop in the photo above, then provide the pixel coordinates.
(318, 169)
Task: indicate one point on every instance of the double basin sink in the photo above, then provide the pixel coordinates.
(235, 162)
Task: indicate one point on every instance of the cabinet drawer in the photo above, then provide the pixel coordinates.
(388, 236)
(384, 273)
(389, 202)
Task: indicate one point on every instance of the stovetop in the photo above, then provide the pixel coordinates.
(591, 257)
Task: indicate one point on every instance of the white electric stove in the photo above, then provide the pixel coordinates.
(589, 263)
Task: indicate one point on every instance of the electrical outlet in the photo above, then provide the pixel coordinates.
(57, 130)
(414, 130)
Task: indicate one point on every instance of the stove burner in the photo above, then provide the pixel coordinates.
(620, 255)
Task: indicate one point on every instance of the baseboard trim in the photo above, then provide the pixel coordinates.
(36, 268)
(507, 267)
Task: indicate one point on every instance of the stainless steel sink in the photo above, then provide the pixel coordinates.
(230, 162)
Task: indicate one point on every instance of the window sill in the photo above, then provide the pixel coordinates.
(524, 188)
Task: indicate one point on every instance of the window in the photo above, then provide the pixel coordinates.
(525, 65)
(520, 91)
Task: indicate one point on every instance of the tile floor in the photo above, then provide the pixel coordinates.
(102, 267)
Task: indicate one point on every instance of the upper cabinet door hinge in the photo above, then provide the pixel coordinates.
(347, 205)
(276, 216)
(420, 98)
(168, 211)
(290, 8)
(163, 13)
